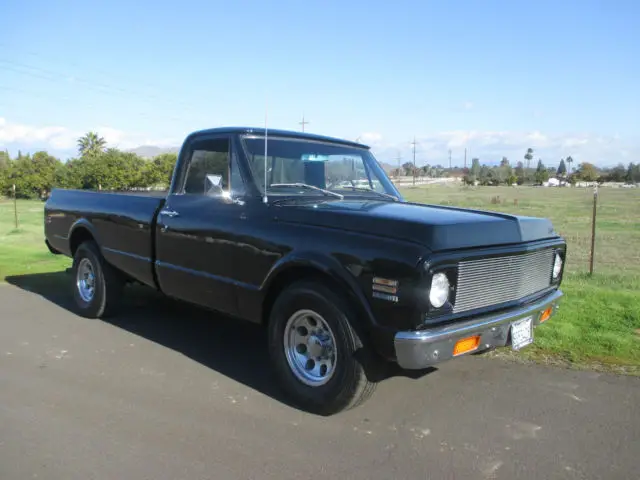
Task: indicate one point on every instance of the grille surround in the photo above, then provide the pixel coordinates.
(493, 281)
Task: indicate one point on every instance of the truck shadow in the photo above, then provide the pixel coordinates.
(233, 348)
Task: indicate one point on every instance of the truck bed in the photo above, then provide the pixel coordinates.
(122, 223)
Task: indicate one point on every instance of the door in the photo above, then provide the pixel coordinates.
(196, 234)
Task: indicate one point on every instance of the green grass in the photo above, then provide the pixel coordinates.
(22, 250)
(598, 324)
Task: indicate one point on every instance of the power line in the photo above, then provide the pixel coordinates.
(63, 61)
(48, 98)
(53, 76)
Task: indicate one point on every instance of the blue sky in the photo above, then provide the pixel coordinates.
(495, 77)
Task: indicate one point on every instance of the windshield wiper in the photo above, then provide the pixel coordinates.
(311, 187)
(370, 190)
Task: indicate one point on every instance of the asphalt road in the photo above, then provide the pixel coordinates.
(167, 392)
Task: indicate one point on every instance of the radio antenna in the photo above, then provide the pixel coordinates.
(266, 134)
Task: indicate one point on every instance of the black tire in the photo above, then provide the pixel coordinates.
(108, 284)
(349, 386)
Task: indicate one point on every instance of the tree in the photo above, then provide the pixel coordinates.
(5, 165)
(528, 156)
(587, 172)
(504, 172)
(569, 161)
(488, 176)
(34, 177)
(520, 173)
(615, 174)
(91, 144)
(474, 174)
(475, 167)
(633, 173)
(562, 168)
(542, 174)
(159, 170)
(408, 168)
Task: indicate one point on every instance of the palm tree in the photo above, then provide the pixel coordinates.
(528, 156)
(569, 161)
(91, 144)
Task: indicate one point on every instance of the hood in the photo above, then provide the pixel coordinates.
(437, 227)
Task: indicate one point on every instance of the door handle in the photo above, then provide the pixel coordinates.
(169, 213)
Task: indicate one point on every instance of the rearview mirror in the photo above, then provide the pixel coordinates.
(309, 157)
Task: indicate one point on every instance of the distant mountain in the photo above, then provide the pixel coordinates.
(386, 167)
(150, 151)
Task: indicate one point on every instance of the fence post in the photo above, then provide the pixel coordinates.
(15, 205)
(593, 229)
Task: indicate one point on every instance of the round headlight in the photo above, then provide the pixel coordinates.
(557, 266)
(439, 292)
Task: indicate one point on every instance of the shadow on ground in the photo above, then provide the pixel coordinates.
(232, 347)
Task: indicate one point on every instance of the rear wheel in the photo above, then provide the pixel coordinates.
(97, 286)
(314, 349)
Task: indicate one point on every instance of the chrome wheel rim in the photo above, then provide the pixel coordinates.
(310, 348)
(86, 280)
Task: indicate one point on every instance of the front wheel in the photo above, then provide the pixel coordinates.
(97, 287)
(314, 347)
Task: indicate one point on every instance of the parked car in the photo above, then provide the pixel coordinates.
(308, 236)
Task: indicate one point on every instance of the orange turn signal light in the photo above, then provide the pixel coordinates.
(546, 314)
(466, 345)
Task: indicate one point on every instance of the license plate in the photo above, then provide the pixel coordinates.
(521, 333)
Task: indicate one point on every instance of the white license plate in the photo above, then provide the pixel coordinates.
(521, 333)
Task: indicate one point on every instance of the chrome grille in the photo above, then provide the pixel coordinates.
(492, 281)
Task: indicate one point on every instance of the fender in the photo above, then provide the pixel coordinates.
(331, 268)
(86, 224)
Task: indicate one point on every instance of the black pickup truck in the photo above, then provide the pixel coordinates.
(307, 235)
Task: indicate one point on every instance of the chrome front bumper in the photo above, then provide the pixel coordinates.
(423, 348)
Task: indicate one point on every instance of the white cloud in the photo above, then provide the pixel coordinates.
(64, 140)
(370, 137)
(467, 105)
(432, 148)
(16, 133)
(491, 146)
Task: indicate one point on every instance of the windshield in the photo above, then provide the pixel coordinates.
(293, 163)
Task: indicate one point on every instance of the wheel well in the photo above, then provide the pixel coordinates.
(294, 274)
(376, 367)
(79, 236)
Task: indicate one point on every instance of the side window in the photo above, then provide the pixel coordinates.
(212, 170)
(209, 159)
(237, 184)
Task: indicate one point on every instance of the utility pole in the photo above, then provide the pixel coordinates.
(15, 205)
(414, 159)
(449, 159)
(465, 157)
(303, 122)
(399, 159)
